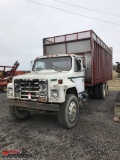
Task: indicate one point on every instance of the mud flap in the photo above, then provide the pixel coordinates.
(83, 97)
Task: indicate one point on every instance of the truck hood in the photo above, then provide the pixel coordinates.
(44, 74)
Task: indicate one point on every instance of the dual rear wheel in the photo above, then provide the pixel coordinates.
(100, 91)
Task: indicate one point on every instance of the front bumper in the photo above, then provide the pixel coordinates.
(34, 105)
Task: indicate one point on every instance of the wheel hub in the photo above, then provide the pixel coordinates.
(72, 111)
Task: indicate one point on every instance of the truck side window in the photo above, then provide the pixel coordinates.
(40, 65)
(77, 65)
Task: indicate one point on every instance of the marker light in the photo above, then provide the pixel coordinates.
(60, 81)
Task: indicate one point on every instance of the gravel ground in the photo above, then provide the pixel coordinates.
(95, 137)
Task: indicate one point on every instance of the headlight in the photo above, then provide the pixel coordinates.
(54, 93)
(10, 91)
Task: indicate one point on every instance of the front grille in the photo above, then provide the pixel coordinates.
(30, 89)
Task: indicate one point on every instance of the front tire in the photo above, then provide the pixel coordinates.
(69, 112)
(18, 113)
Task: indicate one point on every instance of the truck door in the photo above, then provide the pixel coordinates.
(79, 75)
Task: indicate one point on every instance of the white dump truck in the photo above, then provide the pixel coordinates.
(60, 80)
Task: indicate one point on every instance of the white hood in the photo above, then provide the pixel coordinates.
(44, 74)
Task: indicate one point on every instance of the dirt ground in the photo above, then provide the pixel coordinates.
(95, 137)
(114, 84)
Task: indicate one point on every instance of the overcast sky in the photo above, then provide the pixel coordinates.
(23, 25)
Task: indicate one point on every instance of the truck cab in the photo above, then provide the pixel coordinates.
(56, 84)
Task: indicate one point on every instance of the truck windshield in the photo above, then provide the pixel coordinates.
(50, 63)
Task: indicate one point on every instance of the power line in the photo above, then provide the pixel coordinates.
(72, 12)
(87, 8)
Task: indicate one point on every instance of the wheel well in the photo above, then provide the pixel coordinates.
(72, 91)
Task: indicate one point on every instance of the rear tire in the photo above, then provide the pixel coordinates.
(69, 112)
(106, 89)
(96, 92)
(102, 91)
(17, 113)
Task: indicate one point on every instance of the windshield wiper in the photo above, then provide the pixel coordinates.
(58, 69)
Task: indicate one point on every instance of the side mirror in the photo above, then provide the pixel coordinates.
(31, 65)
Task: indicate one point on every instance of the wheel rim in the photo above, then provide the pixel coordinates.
(5, 89)
(104, 91)
(20, 110)
(72, 111)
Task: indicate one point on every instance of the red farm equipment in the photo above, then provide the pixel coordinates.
(6, 75)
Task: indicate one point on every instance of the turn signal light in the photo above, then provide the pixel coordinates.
(60, 81)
